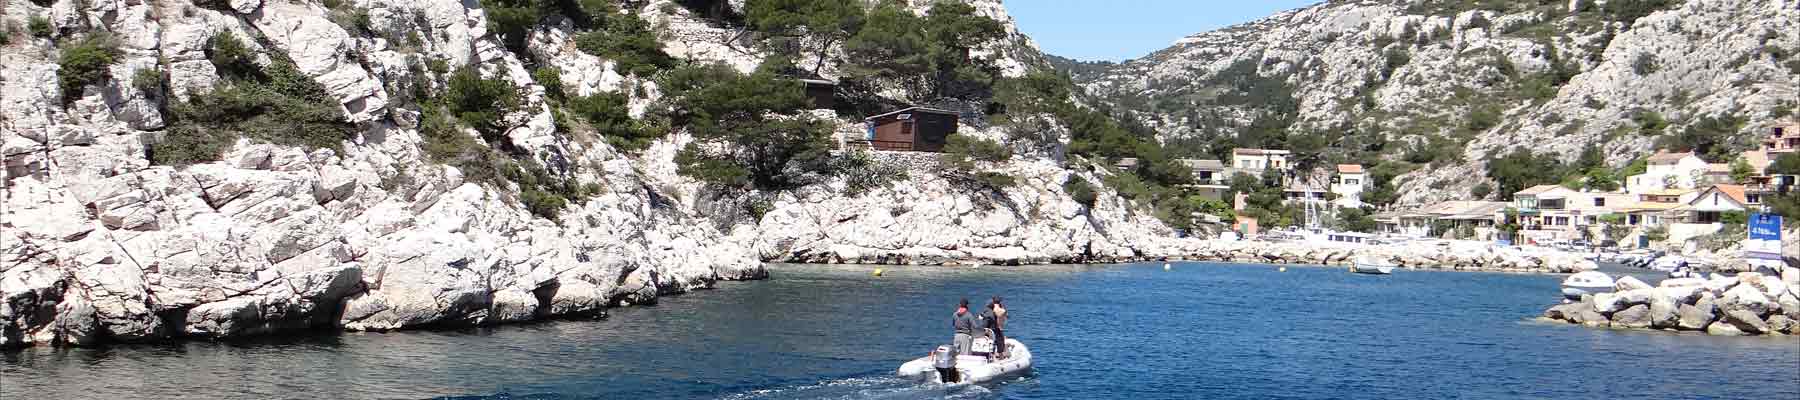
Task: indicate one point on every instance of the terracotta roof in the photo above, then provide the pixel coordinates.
(1539, 189)
(1661, 158)
(1349, 168)
(913, 109)
(1735, 192)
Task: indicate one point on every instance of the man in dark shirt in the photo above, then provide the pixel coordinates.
(995, 317)
(964, 324)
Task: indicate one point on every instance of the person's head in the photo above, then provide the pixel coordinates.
(996, 301)
(964, 305)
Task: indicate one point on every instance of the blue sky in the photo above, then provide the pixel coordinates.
(1116, 30)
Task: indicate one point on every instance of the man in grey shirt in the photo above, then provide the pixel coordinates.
(964, 322)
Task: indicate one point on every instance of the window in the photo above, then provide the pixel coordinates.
(1753, 198)
(1599, 202)
(1352, 182)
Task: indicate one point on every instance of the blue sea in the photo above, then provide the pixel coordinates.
(1199, 330)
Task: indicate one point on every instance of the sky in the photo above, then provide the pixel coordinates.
(1116, 30)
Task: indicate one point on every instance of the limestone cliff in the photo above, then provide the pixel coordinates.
(97, 244)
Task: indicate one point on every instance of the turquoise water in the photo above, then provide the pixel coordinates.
(1202, 330)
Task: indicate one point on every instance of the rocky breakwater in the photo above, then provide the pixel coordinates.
(1443, 255)
(1747, 304)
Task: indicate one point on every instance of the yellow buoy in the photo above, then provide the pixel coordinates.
(878, 271)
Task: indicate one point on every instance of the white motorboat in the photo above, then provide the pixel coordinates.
(973, 368)
(1372, 266)
(1587, 282)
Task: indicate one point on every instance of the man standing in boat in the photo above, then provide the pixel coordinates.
(995, 317)
(964, 324)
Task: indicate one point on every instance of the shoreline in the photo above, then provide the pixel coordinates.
(1441, 256)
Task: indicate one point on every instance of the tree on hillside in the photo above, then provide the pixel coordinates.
(1787, 164)
(1741, 171)
(743, 137)
(1520, 169)
(930, 56)
(792, 22)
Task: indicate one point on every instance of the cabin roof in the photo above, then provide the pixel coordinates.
(912, 109)
(1350, 168)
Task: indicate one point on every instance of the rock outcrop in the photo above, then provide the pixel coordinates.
(97, 244)
(1727, 306)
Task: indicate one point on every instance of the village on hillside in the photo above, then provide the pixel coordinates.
(1679, 197)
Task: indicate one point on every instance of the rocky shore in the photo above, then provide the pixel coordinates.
(1747, 304)
(1443, 256)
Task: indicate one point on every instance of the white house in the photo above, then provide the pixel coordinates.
(1260, 159)
(1668, 171)
(1704, 213)
(1348, 185)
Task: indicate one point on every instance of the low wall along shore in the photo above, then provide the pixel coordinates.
(1458, 256)
(1747, 304)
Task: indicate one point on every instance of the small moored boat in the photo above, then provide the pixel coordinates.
(1587, 282)
(1366, 265)
(973, 368)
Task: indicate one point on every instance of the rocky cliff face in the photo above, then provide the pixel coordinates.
(97, 244)
(1481, 76)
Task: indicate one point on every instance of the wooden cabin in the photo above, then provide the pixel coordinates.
(822, 92)
(911, 129)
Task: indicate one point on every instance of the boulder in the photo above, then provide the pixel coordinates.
(1607, 303)
(1586, 316)
(1664, 314)
(1637, 296)
(1723, 329)
(1746, 297)
(1628, 282)
(1696, 316)
(1637, 316)
(1770, 286)
(1790, 305)
(1781, 323)
(1745, 321)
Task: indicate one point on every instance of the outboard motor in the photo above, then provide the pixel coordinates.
(944, 359)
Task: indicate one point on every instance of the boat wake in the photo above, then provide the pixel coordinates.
(884, 387)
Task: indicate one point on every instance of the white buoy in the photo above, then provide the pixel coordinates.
(1281, 269)
(1165, 266)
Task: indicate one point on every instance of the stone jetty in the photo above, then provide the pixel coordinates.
(1747, 304)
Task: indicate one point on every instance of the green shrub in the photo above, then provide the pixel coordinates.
(188, 144)
(85, 63)
(863, 174)
(543, 204)
(1650, 123)
(231, 57)
(1080, 190)
(610, 116)
(39, 27)
(147, 80)
(628, 41)
(278, 104)
(964, 149)
(1481, 190)
(512, 20)
(551, 79)
(482, 103)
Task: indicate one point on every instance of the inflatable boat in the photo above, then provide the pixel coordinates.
(971, 368)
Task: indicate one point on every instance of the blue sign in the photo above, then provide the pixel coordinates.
(1765, 227)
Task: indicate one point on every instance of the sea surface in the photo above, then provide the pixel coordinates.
(1199, 330)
